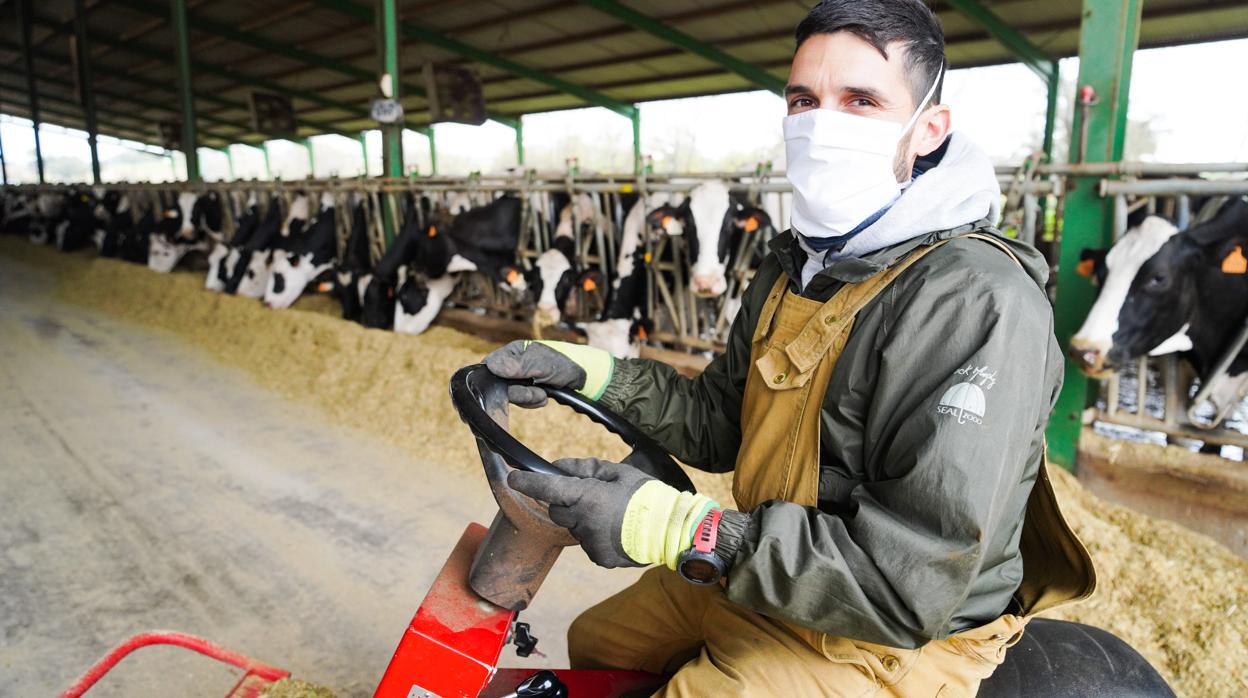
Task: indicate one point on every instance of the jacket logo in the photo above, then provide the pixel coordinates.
(965, 401)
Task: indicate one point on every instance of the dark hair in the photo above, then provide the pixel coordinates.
(882, 22)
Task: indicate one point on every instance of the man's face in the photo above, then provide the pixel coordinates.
(845, 73)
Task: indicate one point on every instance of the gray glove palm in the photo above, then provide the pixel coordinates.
(537, 362)
(590, 502)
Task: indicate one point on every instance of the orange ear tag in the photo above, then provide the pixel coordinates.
(1235, 262)
(751, 224)
(667, 220)
(641, 333)
(324, 287)
(433, 231)
(512, 275)
(589, 285)
(1086, 268)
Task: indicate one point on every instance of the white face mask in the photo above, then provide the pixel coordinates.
(841, 167)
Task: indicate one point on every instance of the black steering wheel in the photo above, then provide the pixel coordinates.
(471, 385)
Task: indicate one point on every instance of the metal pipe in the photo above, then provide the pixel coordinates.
(1175, 187)
(24, 16)
(181, 41)
(86, 85)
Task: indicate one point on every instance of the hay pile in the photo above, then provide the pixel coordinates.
(1177, 596)
(294, 688)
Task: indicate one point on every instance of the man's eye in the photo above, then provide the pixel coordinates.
(802, 103)
(862, 103)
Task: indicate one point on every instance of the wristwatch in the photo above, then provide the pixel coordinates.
(700, 564)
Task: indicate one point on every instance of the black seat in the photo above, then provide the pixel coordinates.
(1058, 659)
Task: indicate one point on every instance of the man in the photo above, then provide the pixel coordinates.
(881, 401)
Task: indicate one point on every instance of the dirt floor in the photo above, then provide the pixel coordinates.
(291, 503)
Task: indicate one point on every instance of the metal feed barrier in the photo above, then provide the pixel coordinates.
(687, 323)
(1160, 395)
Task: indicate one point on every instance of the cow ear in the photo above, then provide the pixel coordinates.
(1225, 229)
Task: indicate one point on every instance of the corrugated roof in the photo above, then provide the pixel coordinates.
(567, 41)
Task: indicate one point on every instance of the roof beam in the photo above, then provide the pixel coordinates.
(417, 33)
(652, 26)
(1018, 44)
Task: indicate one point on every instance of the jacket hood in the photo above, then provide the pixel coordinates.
(962, 188)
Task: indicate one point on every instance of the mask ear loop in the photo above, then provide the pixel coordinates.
(923, 104)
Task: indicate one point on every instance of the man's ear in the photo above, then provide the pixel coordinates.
(931, 130)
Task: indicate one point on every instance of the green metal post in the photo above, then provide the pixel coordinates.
(1108, 38)
(229, 162)
(364, 151)
(519, 127)
(181, 45)
(1050, 114)
(388, 42)
(86, 85)
(4, 168)
(268, 170)
(433, 150)
(636, 119)
(32, 93)
(307, 145)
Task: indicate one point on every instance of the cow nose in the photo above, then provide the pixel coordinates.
(707, 285)
(547, 314)
(1090, 357)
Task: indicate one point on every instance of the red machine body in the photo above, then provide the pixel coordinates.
(453, 645)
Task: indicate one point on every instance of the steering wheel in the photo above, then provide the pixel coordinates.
(474, 388)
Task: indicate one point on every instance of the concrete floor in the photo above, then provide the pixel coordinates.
(143, 486)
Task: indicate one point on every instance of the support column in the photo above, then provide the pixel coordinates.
(4, 168)
(388, 43)
(636, 119)
(364, 151)
(1050, 114)
(86, 86)
(268, 170)
(229, 162)
(190, 142)
(307, 144)
(24, 18)
(519, 127)
(433, 150)
(1107, 41)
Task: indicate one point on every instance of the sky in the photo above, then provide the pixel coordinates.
(1181, 110)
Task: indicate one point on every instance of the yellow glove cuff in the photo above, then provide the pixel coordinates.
(599, 365)
(660, 521)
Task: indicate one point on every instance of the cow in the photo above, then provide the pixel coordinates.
(551, 280)
(1164, 291)
(250, 273)
(223, 259)
(355, 271)
(309, 261)
(712, 224)
(133, 243)
(48, 214)
(113, 218)
(184, 228)
(19, 212)
(417, 304)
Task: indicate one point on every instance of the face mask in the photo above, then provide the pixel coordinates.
(841, 167)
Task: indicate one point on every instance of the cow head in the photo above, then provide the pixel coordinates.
(621, 337)
(215, 280)
(417, 304)
(702, 219)
(288, 276)
(377, 300)
(1153, 283)
(255, 277)
(207, 214)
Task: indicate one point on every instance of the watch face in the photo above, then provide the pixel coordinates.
(700, 570)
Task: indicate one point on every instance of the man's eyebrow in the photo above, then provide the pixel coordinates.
(869, 93)
(797, 89)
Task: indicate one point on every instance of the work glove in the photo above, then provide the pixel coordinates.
(621, 516)
(557, 364)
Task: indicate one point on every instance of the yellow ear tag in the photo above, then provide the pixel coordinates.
(1235, 262)
(433, 231)
(1086, 268)
(751, 224)
(646, 257)
(589, 285)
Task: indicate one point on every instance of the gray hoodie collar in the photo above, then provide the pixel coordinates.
(960, 190)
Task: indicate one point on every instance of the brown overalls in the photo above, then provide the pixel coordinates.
(664, 624)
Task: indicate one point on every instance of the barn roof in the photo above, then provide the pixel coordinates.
(532, 55)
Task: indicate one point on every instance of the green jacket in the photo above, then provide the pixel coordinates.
(917, 529)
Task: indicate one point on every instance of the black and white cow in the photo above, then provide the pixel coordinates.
(49, 212)
(1164, 291)
(185, 228)
(355, 270)
(19, 211)
(712, 223)
(309, 261)
(223, 259)
(113, 217)
(250, 273)
(133, 243)
(557, 273)
(76, 227)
